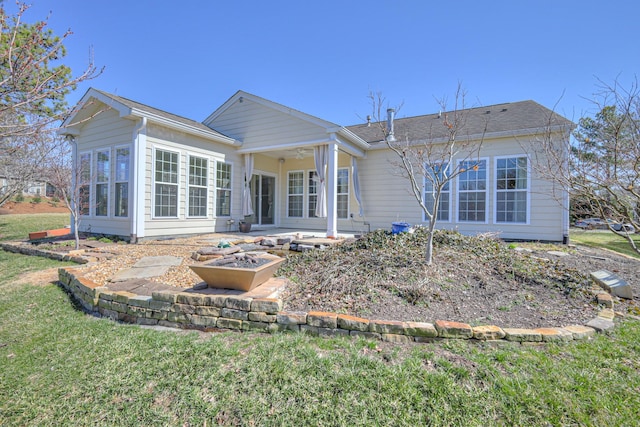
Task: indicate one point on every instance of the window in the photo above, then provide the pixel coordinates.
(84, 184)
(102, 182)
(343, 193)
(198, 171)
(223, 189)
(313, 193)
(166, 184)
(512, 188)
(121, 201)
(445, 193)
(472, 191)
(295, 194)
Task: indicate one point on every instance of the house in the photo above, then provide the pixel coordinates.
(146, 173)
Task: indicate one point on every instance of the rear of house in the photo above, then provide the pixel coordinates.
(146, 173)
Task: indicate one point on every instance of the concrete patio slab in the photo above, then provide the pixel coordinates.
(140, 273)
(158, 261)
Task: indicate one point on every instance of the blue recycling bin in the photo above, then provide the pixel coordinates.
(400, 227)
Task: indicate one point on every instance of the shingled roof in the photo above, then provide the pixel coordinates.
(502, 119)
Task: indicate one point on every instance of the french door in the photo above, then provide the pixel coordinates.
(263, 190)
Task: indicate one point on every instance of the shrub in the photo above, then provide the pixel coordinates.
(19, 198)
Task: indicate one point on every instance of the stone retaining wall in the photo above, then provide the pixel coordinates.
(191, 310)
(18, 249)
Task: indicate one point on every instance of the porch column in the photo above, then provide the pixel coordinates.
(332, 190)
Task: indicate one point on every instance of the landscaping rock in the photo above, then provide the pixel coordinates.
(447, 329)
(488, 332)
(612, 283)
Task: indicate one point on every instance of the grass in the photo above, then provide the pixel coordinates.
(61, 367)
(18, 227)
(605, 239)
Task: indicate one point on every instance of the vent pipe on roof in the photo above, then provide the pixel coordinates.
(390, 116)
(368, 121)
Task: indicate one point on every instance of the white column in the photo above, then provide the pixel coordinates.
(332, 190)
(137, 172)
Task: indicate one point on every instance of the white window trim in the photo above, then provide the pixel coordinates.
(424, 215)
(495, 190)
(206, 186)
(115, 180)
(486, 196)
(108, 182)
(307, 193)
(153, 184)
(89, 183)
(216, 188)
(348, 193)
(303, 195)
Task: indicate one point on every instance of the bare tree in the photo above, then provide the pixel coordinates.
(34, 84)
(431, 161)
(600, 165)
(71, 180)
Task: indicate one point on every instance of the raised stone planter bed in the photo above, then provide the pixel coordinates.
(192, 310)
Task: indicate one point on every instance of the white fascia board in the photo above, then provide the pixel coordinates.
(348, 147)
(285, 146)
(122, 109)
(184, 127)
(351, 137)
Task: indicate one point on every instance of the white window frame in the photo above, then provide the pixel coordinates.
(309, 213)
(154, 182)
(205, 186)
(116, 181)
(301, 195)
(486, 193)
(102, 182)
(448, 192)
(82, 183)
(527, 190)
(218, 188)
(348, 193)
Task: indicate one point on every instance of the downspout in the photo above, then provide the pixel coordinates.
(137, 207)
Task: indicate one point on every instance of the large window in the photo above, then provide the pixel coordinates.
(295, 194)
(121, 201)
(512, 188)
(313, 193)
(429, 192)
(472, 191)
(103, 169)
(84, 184)
(166, 184)
(198, 171)
(223, 189)
(343, 193)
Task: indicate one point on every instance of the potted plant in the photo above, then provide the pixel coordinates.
(244, 226)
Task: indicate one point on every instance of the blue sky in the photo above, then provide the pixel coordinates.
(325, 57)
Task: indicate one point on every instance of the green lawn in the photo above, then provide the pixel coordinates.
(605, 239)
(59, 366)
(18, 227)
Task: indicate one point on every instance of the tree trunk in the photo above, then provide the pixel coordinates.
(428, 253)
